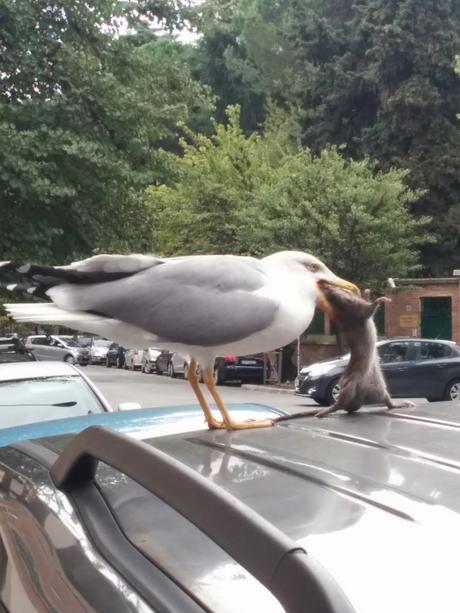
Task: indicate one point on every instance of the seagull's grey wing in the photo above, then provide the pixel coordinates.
(197, 300)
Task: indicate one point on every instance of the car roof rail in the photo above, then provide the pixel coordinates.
(298, 581)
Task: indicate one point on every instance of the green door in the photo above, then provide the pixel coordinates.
(437, 318)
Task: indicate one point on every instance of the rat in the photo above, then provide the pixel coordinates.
(362, 382)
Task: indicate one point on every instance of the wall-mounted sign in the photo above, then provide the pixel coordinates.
(409, 321)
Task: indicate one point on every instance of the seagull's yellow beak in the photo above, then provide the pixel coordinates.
(322, 302)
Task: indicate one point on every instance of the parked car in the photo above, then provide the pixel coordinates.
(177, 365)
(133, 359)
(55, 347)
(327, 516)
(12, 349)
(412, 367)
(98, 350)
(162, 362)
(248, 368)
(36, 391)
(245, 368)
(115, 356)
(149, 359)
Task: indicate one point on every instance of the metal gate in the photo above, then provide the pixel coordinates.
(437, 318)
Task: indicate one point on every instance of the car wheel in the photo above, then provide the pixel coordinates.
(171, 371)
(69, 359)
(333, 391)
(453, 390)
(219, 378)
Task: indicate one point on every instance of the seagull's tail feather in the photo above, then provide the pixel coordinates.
(48, 313)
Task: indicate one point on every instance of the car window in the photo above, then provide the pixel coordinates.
(102, 343)
(431, 351)
(38, 341)
(394, 352)
(32, 400)
(70, 343)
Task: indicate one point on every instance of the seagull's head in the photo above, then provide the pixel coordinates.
(324, 277)
(318, 273)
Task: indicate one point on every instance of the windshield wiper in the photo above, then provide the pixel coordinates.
(69, 403)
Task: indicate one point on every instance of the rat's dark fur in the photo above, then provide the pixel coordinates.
(362, 382)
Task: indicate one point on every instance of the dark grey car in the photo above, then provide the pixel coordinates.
(412, 367)
(349, 513)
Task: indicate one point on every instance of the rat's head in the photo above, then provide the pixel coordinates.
(345, 306)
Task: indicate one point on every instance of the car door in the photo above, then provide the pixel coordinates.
(395, 361)
(431, 369)
(57, 349)
(40, 347)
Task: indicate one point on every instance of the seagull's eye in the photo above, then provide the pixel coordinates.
(313, 267)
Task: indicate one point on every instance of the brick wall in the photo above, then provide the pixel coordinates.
(407, 303)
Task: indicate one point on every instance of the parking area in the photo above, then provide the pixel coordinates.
(155, 391)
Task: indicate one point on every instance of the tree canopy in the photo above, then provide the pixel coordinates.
(260, 193)
(374, 76)
(85, 115)
(348, 119)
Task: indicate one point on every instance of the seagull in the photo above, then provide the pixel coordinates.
(202, 306)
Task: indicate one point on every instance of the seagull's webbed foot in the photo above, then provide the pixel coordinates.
(228, 422)
(247, 425)
(214, 424)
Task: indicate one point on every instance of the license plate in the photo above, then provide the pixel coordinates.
(248, 362)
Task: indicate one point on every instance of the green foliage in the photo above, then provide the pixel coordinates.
(378, 76)
(84, 117)
(374, 76)
(261, 193)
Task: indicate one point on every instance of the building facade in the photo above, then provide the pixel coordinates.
(427, 308)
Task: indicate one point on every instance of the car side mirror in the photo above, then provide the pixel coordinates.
(129, 406)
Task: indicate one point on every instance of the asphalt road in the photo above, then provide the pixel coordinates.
(159, 391)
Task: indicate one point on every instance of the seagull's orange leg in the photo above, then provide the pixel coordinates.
(193, 380)
(227, 420)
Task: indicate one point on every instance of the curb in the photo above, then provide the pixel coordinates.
(268, 388)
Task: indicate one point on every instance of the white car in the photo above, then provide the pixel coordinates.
(40, 391)
(33, 392)
(98, 350)
(133, 359)
(149, 359)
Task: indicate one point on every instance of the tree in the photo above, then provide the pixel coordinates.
(84, 116)
(374, 76)
(378, 76)
(262, 193)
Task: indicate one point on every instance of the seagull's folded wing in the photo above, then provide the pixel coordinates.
(196, 300)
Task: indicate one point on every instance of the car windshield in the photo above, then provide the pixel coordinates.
(31, 400)
(101, 343)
